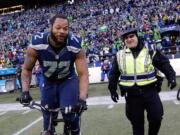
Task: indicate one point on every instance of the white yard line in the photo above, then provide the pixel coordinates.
(110, 106)
(27, 111)
(2, 113)
(101, 100)
(176, 102)
(28, 126)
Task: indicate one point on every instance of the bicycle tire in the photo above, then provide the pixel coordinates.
(39, 107)
(178, 94)
(58, 120)
(45, 133)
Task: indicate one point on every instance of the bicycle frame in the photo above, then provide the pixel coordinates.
(54, 121)
(39, 107)
(178, 94)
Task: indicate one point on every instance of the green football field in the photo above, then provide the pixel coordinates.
(98, 120)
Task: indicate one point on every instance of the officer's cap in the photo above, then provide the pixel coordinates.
(128, 31)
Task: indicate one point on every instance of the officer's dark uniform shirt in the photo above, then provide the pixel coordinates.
(160, 61)
(56, 65)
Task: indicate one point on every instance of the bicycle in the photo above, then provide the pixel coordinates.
(178, 94)
(55, 120)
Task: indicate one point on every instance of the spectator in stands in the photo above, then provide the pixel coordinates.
(105, 68)
(16, 28)
(37, 71)
(18, 74)
(18, 79)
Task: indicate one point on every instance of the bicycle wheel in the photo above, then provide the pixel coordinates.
(66, 129)
(178, 94)
(49, 133)
(45, 133)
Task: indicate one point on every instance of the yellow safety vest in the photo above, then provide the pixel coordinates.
(135, 70)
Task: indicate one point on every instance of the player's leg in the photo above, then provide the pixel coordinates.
(49, 98)
(69, 95)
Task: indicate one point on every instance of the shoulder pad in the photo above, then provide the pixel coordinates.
(73, 43)
(39, 41)
(40, 38)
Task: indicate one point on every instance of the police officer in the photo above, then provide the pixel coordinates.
(134, 70)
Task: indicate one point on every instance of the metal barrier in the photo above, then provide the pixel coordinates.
(7, 79)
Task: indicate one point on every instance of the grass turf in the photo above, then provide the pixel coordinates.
(98, 120)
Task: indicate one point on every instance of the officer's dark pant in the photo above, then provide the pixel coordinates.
(136, 104)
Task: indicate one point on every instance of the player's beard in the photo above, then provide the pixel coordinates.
(56, 41)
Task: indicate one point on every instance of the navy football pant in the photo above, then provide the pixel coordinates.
(61, 94)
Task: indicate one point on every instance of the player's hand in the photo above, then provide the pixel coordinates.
(81, 106)
(172, 84)
(25, 98)
(114, 96)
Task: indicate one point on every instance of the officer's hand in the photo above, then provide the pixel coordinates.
(114, 96)
(25, 98)
(81, 106)
(172, 84)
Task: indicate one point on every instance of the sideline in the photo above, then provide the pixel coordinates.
(26, 111)
(102, 100)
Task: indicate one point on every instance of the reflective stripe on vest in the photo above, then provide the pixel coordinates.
(135, 70)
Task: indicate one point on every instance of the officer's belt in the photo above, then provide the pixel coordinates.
(144, 76)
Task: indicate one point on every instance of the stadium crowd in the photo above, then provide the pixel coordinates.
(98, 22)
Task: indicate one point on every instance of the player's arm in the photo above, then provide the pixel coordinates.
(82, 70)
(30, 60)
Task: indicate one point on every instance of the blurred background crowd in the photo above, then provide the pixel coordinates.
(99, 23)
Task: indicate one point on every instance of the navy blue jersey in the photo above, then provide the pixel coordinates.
(56, 66)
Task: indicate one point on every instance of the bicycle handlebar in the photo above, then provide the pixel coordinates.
(68, 109)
